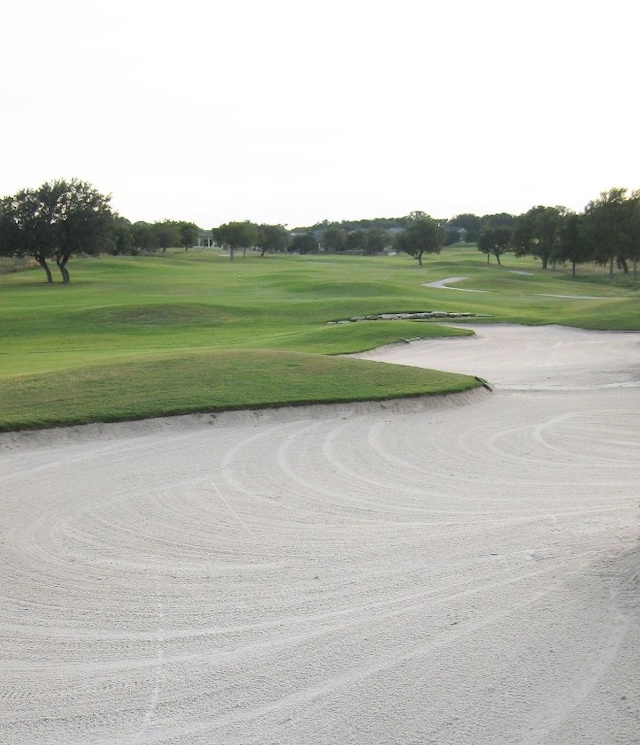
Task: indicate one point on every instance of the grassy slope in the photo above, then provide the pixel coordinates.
(144, 336)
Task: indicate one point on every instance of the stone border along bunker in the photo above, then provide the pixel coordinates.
(417, 315)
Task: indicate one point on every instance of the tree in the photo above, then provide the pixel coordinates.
(54, 222)
(303, 243)
(452, 235)
(422, 235)
(495, 241)
(535, 233)
(272, 239)
(571, 244)
(188, 232)
(633, 209)
(334, 238)
(356, 240)
(472, 224)
(167, 234)
(498, 220)
(122, 242)
(144, 236)
(607, 228)
(377, 240)
(10, 232)
(236, 235)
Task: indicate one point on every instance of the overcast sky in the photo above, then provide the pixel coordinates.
(286, 111)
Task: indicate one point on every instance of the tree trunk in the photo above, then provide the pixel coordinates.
(610, 267)
(420, 258)
(43, 263)
(498, 259)
(61, 261)
(635, 268)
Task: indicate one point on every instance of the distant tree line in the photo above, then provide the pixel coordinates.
(61, 218)
(143, 237)
(333, 238)
(607, 233)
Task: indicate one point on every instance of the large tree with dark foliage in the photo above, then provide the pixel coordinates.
(535, 233)
(422, 235)
(272, 239)
(237, 235)
(356, 241)
(571, 244)
(472, 224)
(495, 241)
(334, 238)
(607, 228)
(303, 243)
(167, 234)
(633, 218)
(377, 240)
(55, 221)
(188, 232)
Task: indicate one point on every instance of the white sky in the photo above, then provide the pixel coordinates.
(292, 112)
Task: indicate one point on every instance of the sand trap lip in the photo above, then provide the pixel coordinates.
(454, 571)
(238, 418)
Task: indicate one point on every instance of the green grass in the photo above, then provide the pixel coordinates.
(135, 337)
(208, 381)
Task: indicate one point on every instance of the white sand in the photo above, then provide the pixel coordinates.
(456, 572)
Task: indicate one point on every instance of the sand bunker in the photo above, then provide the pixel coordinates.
(456, 571)
(528, 357)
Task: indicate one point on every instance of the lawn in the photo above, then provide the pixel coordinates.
(135, 337)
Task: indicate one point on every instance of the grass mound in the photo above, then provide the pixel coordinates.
(209, 381)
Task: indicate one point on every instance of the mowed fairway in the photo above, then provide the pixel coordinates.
(459, 570)
(138, 337)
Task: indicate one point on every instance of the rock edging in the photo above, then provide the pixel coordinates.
(417, 315)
